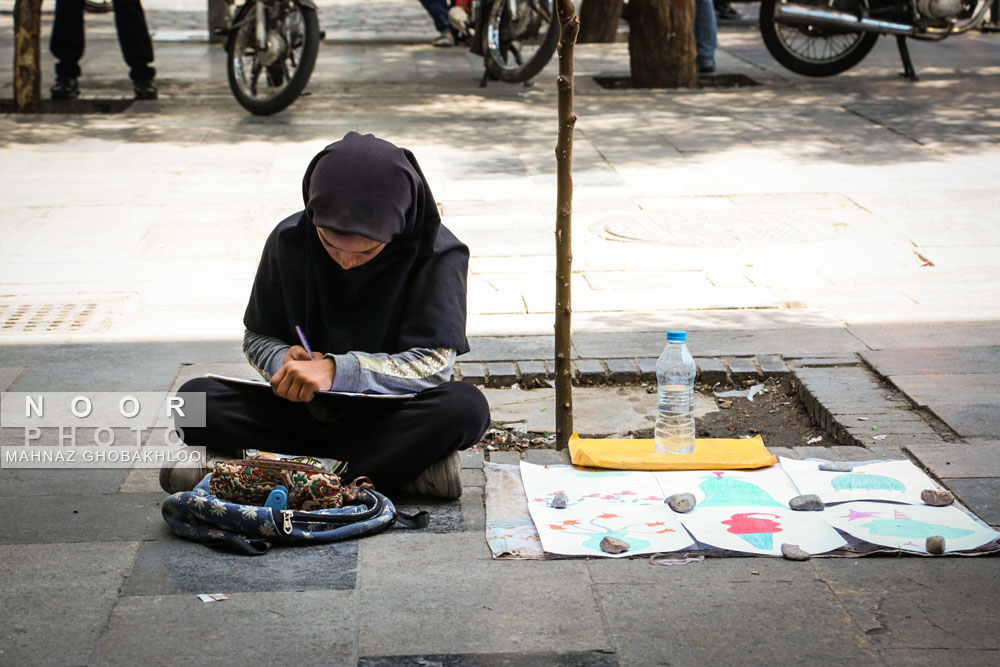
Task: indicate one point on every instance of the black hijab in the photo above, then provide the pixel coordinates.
(412, 294)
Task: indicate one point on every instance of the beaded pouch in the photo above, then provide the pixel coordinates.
(249, 481)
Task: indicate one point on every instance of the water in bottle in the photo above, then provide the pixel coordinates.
(675, 372)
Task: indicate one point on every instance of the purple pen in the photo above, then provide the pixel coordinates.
(302, 339)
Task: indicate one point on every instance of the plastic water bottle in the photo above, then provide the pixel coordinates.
(675, 371)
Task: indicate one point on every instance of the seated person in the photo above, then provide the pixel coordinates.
(378, 286)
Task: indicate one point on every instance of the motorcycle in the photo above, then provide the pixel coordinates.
(271, 48)
(516, 38)
(827, 37)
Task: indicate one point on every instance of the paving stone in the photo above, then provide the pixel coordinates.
(711, 370)
(952, 600)
(445, 515)
(815, 452)
(851, 453)
(174, 566)
(589, 370)
(970, 421)
(532, 371)
(922, 335)
(58, 590)
(131, 355)
(42, 482)
(596, 410)
(742, 368)
(647, 368)
(152, 374)
(501, 374)
(544, 659)
(473, 477)
(822, 362)
(721, 343)
(473, 509)
(510, 348)
(951, 389)
(546, 457)
(707, 613)
(979, 494)
(137, 631)
(439, 612)
(622, 370)
(8, 374)
(771, 364)
(787, 452)
(935, 360)
(472, 457)
(78, 518)
(471, 372)
(505, 457)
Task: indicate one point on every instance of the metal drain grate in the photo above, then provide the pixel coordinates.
(84, 316)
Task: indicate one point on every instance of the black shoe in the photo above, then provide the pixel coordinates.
(707, 67)
(727, 13)
(145, 90)
(66, 88)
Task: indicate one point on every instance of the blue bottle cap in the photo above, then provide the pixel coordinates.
(677, 336)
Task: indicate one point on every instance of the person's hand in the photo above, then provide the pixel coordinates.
(301, 376)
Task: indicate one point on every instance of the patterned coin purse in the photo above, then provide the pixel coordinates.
(249, 481)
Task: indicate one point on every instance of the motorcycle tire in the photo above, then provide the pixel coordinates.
(97, 6)
(499, 38)
(281, 87)
(813, 50)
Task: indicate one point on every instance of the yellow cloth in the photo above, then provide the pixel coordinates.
(633, 454)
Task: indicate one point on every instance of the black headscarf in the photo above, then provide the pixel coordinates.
(412, 294)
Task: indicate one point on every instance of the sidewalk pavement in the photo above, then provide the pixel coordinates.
(844, 230)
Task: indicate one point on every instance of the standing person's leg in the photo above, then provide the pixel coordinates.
(67, 45)
(136, 45)
(438, 10)
(705, 35)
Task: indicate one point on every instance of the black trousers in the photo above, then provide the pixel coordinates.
(133, 36)
(391, 440)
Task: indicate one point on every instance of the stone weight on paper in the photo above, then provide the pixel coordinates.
(836, 466)
(613, 545)
(559, 501)
(934, 545)
(937, 498)
(681, 502)
(793, 552)
(807, 503)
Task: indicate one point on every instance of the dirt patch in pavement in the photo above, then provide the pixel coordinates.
(775, 413)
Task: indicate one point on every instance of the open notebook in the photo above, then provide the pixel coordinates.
(262, 383)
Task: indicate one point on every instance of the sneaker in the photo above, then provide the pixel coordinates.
(66, 88)
(445, 39)
(442, 480)
(706, 66)
(145, 90)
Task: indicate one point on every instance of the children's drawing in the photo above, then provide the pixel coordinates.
(861, 480)
(896, 481)
(767, 487)
(622, 504)
(722, 490)
(907, 527)
(754, 528)
(761, 531)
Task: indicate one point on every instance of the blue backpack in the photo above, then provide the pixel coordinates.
(252, 530)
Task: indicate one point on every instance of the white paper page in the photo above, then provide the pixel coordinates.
(761, 530)
(767, 487)
(627, 505)
(908, 526)
(896, 481)
(262, 383)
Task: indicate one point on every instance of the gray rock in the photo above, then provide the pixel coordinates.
(681, 502)
(807, 503)
(935, 545)
(937, 498)
(793, 552)
(559, 501)
(613, 545)
(836, 466)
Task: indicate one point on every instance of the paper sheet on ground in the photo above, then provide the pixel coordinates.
(769, 487)
(908, 526)
(896, 481)
(622, 504)
(761, 530)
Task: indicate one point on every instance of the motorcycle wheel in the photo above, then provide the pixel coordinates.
(266, 81)
(813, 50)
(97, 6)
(515, 51)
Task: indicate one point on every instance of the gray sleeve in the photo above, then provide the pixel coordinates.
(408, 372)
(264, 352)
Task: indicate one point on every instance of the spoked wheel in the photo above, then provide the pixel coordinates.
(518, 48)
(813, 50)
(266, 78)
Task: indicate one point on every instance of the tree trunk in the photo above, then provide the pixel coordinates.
(661, 44)
(599, 20)
(569, 26)
(27, 55)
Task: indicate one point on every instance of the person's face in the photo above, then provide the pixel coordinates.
(348, 250)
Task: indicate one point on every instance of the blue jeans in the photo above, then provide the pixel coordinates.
(438, 9)
(705, 31)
